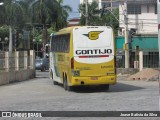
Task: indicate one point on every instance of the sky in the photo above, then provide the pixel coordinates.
(74, 5)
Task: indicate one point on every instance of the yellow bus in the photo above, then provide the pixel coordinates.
(83, 55)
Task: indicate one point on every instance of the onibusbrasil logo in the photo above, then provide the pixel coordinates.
(93, 35)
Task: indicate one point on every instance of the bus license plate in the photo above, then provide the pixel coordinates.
(94, 78)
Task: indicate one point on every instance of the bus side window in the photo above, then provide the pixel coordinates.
(63, 44)
(60, 44)
(56, 43)
(67, 42)
(52, 43)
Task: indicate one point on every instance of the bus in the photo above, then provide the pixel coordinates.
(83, 56)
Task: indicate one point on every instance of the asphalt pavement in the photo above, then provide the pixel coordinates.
(40, 94)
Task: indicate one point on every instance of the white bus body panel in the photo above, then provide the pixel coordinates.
(53, 63)
(81, 42)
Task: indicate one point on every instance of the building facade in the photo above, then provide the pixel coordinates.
(73, 22)
(142, 16)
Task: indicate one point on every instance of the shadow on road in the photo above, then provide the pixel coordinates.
(119, 87)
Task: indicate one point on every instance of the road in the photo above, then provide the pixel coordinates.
(40, 94)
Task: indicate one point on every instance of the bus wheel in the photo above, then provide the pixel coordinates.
(65, 84)
(55, 83)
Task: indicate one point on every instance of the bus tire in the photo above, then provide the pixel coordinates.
(65, 84)
(55, 82)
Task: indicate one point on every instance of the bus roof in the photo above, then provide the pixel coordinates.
(69, 29)
(66, 30)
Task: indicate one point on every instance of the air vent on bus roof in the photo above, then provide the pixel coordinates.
(97, 27)
(92, 27)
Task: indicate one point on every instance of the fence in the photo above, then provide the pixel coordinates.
(15, 61)
(150, 58)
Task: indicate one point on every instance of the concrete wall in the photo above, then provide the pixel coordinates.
(18, 66)
(16, 76)
(127, 70)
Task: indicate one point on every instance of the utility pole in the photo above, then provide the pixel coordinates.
(111, 5)
(10, 38)
(86, 4)
(158, 14)
(126, 46)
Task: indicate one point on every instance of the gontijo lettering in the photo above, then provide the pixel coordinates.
(93, 51)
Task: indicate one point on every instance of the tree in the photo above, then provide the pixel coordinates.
(41, 12)
(62, 12)
(2, 9)
(109, 18)
(24, 14)
(49, 12)
(93, 13)
(4, 31)
(13, 16)
(40, 15)
(13, 13)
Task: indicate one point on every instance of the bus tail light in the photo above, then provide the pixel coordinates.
(72, 63)
(112, 78)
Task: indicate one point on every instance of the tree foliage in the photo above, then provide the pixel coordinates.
(92, 13)
(24, 14)
(109, 18)
(49, 12)
(12, 13)
(62, 11)
(4, 32)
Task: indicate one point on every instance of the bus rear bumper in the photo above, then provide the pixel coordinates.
(77, 81)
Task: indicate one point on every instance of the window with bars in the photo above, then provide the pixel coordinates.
(133, 9)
